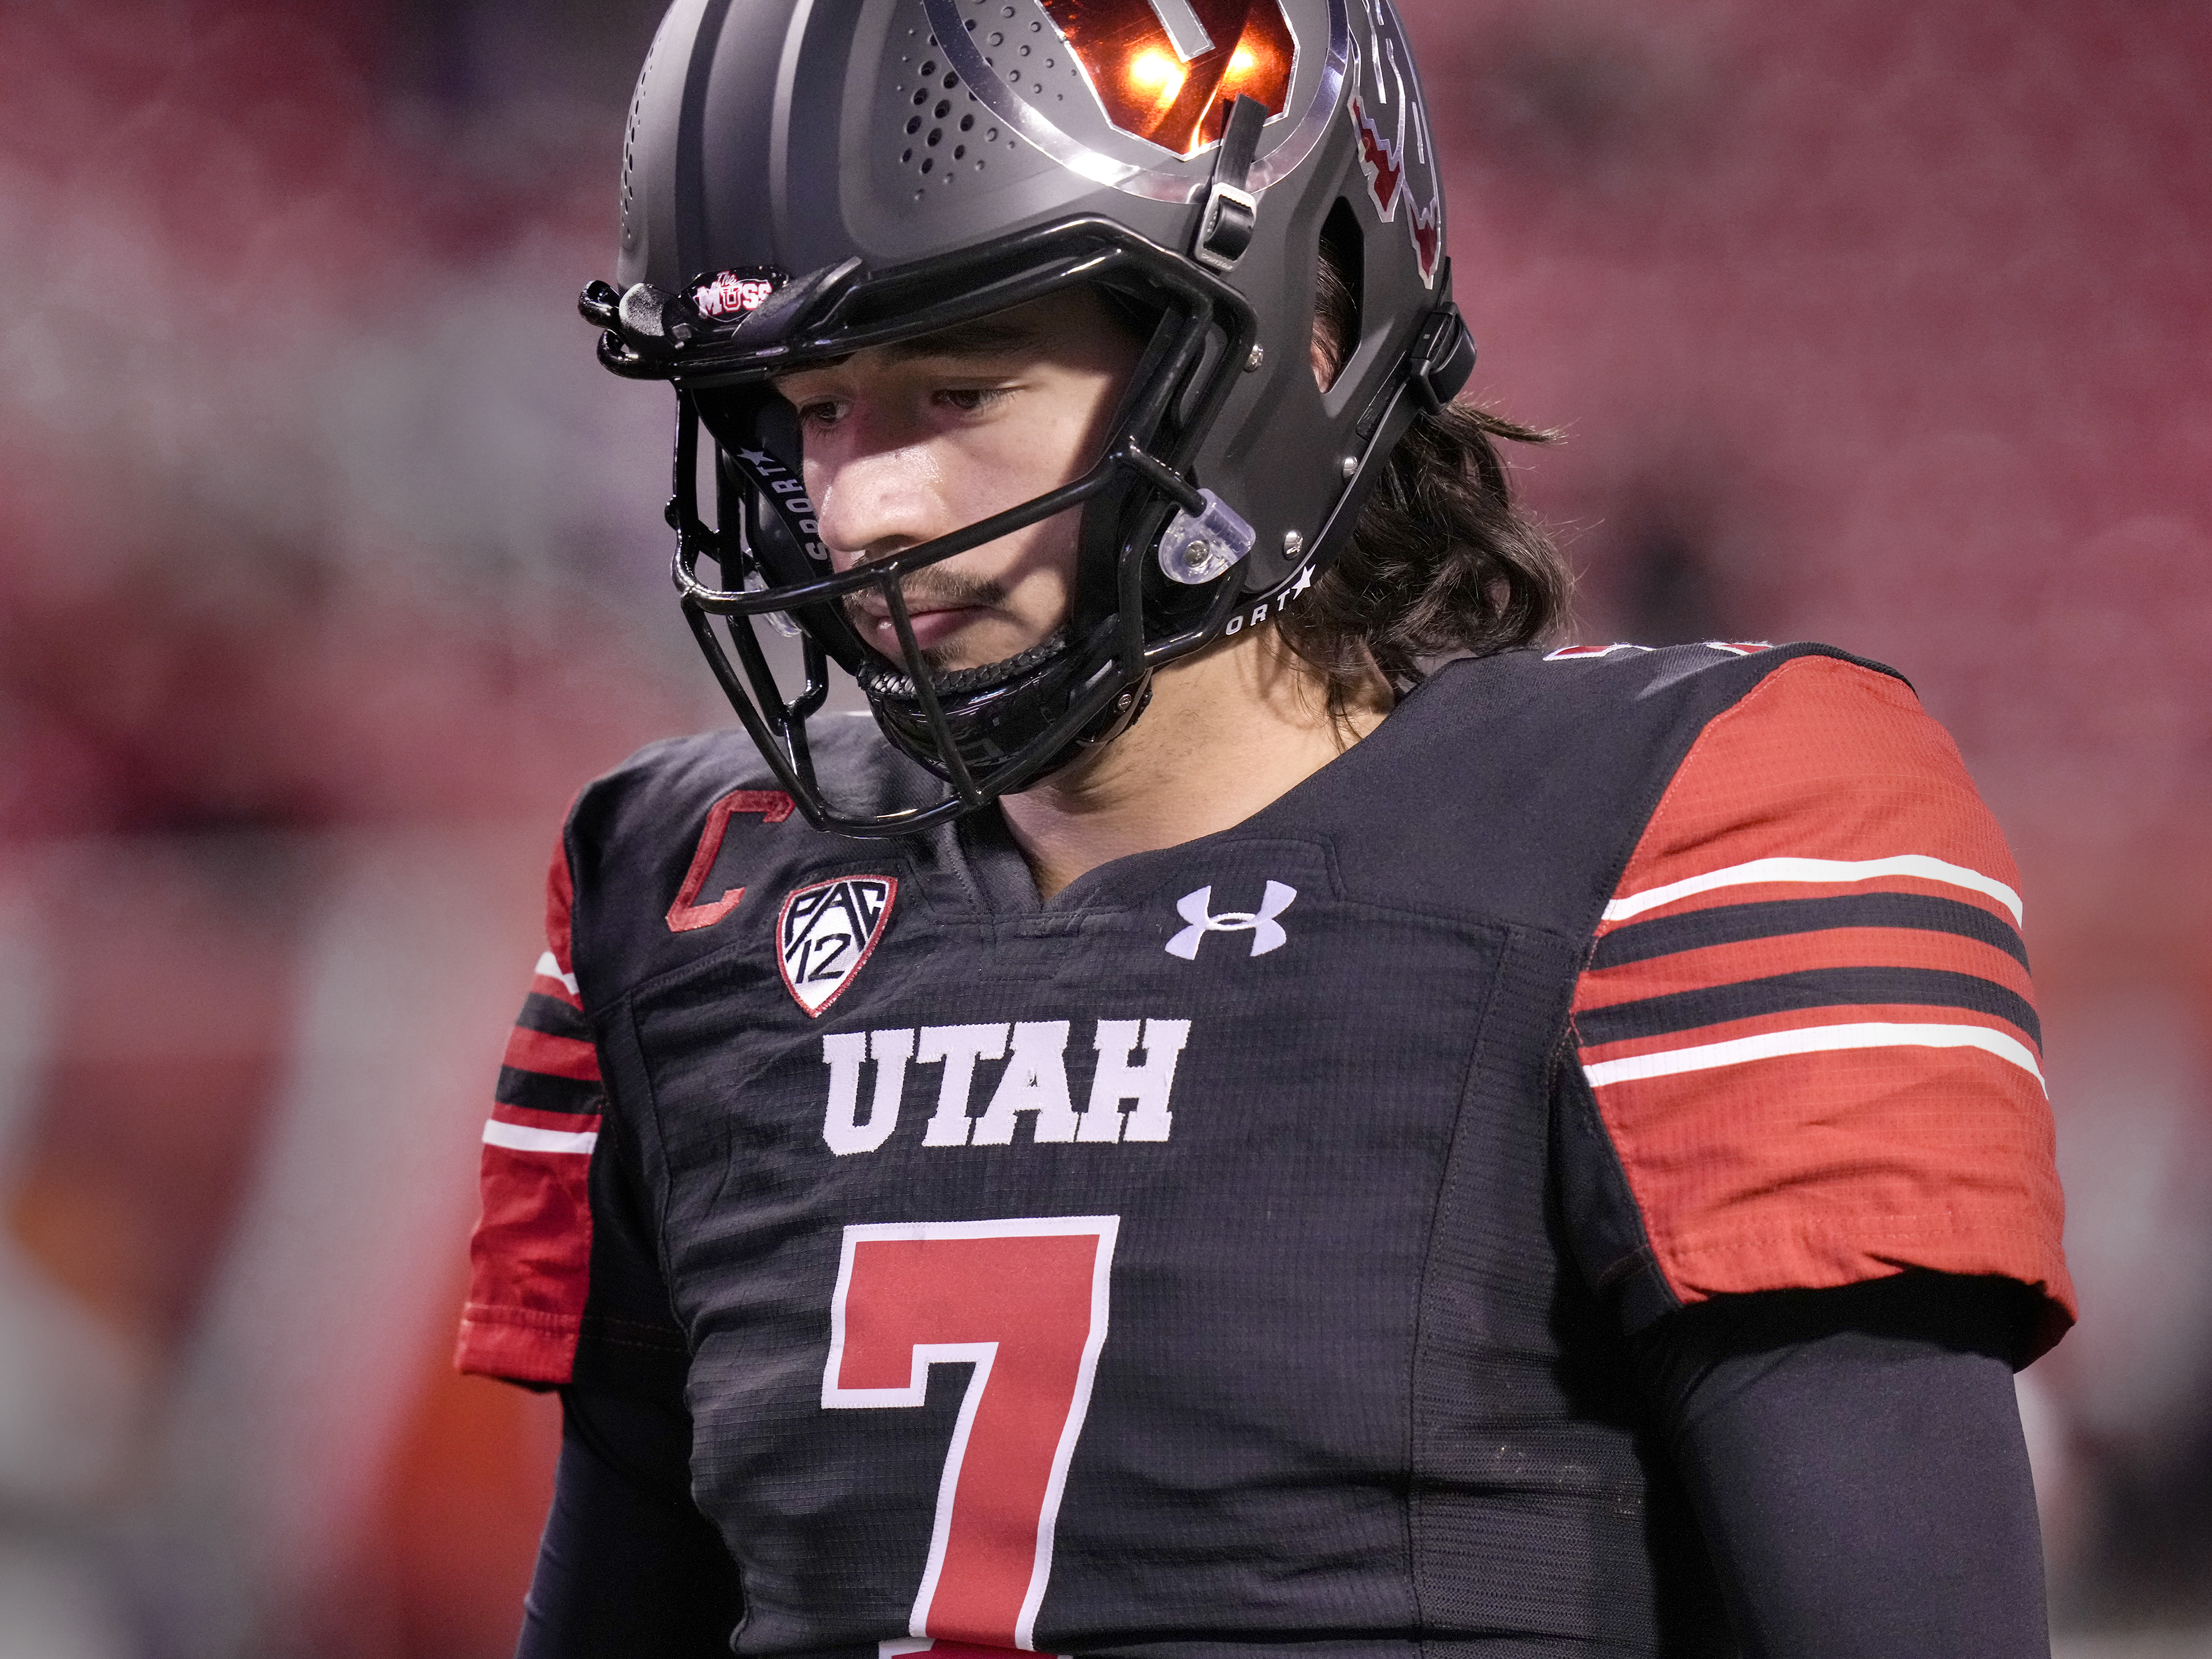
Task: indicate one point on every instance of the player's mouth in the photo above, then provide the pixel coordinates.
(933, 627)
(940, 606)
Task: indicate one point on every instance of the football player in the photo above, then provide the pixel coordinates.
(1250, 1107)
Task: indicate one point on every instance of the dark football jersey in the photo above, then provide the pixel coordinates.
(1239, 1248)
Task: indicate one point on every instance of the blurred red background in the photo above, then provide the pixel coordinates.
(330, 566)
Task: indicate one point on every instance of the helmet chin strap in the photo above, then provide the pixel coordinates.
(1121, 714)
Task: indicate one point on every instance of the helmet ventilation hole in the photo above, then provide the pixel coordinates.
(937, 127)
(1339, 282)
(629, 154)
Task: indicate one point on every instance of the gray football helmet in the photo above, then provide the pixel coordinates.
(801, 180)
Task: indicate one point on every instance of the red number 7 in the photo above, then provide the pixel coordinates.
(1024, 1303)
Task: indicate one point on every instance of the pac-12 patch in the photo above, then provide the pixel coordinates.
(826, 932)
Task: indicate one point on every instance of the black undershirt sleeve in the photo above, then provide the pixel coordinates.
(1856, 1460)
(628, 1564)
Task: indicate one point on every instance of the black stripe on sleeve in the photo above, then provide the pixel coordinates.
(536, 1091)
(1727, 924)
(1816, 988)
(553, 1017)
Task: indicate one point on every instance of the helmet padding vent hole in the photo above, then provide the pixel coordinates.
(629, 153)
(939, 129)
(933, 132)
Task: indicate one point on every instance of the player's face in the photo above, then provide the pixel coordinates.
(906, 442)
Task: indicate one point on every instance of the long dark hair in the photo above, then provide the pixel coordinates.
(1441, 564)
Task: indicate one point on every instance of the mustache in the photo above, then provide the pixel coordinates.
(925, 590)
(930, 589)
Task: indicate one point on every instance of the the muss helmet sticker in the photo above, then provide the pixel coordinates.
(1392, 123)
(826, 932)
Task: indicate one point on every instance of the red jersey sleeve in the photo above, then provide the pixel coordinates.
(1806, 1020)
(530, 1258)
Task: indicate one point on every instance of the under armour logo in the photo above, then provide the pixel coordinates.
(1267, 933)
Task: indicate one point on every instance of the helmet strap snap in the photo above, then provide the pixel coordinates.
(1225, 229)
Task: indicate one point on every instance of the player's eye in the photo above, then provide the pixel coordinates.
(971, 400)
(820, 412)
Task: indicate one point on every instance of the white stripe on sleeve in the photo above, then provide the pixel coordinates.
(522, 1137)
(1816, 1039)
(548, 968)
(1827, 870)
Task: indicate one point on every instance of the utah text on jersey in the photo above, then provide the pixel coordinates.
(1127, 1098)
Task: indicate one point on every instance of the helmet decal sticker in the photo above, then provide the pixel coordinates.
(1128, 57)
(1395, 152)
(733, 293)
(1164, 70)
(826, 932)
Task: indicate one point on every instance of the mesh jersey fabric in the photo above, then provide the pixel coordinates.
(1855, 1458)
(1268, 1155)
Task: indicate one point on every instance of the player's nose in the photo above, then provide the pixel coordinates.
(874, 504)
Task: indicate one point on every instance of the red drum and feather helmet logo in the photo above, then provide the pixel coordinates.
(1166, 71)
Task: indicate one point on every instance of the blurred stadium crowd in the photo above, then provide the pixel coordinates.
(330, 566)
